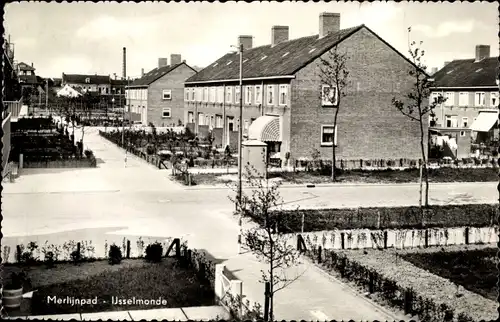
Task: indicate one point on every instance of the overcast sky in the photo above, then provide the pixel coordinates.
(88, 38)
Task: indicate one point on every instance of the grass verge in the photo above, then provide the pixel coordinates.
(132, 279)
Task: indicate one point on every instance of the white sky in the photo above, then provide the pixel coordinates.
(88, 37)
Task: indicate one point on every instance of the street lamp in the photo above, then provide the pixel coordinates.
(240, 151)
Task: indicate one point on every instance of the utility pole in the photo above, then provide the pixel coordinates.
(47, 95)
(240, 149)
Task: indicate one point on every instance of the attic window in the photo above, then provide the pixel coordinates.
(245, 60)
(229, 62)
(215, 64)
(285, 54)
(480, 69)
(449, 72)
(310, 51)
(263, 58)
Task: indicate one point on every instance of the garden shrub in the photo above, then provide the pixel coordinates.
(154, 252)
(115, 255)
(150, 149)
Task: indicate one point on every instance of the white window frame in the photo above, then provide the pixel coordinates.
(190, 117)
(327, 101)
(212, 94)
(218, 121)
(205, 94)
(192, 94)
(463, 96)
(87, 80)
(220, 94)
(168, 110)
(466, 123)
(270, 99)
(478, 94)
(449, 98)
(258, 98)
(201, 118)
(167, 94)
(283, 89)
(322, 132)
(229, 94)
(494, 95)
(212, 121)
(248, 95)
(462, 133)
(452, 118)
(246, 125)
(186, 94)
(237, 94)
(434, 97)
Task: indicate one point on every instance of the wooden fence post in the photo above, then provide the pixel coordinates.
(320, 251)
(371, 284)
(78, 249)
(342, 240)
(18, 254)
(466, 235)
(385, 239)
(426, 238)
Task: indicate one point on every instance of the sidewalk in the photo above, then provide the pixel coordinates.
(204, 313)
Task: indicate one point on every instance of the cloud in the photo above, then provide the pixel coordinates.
(71, 65)
(445, 28)
(25, 43)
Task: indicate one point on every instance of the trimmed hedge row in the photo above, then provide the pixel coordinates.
(445, 216)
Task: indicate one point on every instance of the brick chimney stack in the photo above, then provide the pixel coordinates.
(434, 70)
(279, 34)
(482, 52)
(246, 41)
(124, 71)
(162, 62)
(175, 59)
(328, 23)
(142, 72)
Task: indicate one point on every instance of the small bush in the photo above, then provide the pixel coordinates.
(150, 149)
(88, 153)
(50, 259)
(154, 252)
(115, 255)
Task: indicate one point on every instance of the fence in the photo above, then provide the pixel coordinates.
(227, 291)
(13, 107)
(401, 238)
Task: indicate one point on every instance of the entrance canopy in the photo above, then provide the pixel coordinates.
(266, 129)
(485, 121)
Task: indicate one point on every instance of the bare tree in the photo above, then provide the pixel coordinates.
(417, 106)
(334, 76)
(265, 241)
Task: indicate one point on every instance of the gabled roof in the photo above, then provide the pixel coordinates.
(119, 82)
(80, 79)
(283, 59)
(467, 73)
(155, 74)
(24, 66)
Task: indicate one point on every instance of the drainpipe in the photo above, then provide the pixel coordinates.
(195, 116)
(224, 125)
(262, 98)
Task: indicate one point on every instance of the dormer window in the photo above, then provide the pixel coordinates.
(245, 60)
(285, 54)
(215, 64)
(312, 50)
(87, 80)
(480, 69)
(229, 62)
(449, 72)
(263, 58)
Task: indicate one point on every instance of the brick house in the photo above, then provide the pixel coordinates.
(470, 111)
(283, 105)
(157, 96)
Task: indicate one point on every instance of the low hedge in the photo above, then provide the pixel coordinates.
(416, 291)
(445, 216)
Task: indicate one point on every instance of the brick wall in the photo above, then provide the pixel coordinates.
(175, 82)
(369, 126)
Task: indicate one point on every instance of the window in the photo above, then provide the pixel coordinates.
(328, 95)
(434, 97)
(246, 125)
(166, 113)
(229, 94)
(248, 95)
(207, 120)
(451, 121)
(212, 94)
(212, 122)
(186, 94)
(270, 94)
(463, 99)
(205, 94)
(252, 120)
(201, 119)
(449, 99)
(465, 121)
(167, 94)
(190, 117)
(462, 133)
(327, 132)
(258, 94)
(220, 94)
(479, 99)
(283, 94)
(87, 80)
(218, 121)
(494, 99)
(237, 94)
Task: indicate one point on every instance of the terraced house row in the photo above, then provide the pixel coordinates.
(283, 104)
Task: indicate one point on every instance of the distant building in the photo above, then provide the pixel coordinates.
(284, 101)
(100, 84)
(472, 99)
(158, 96)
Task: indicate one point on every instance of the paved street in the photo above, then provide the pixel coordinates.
(62, 204)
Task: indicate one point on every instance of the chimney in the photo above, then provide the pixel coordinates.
(162, 62)
(124, 72)
(246, 41)
(32, 62)
(446, 63)
(482, 52)
(175, 59)
(328, 23)
(279, 34)
(142, 72)
(434, 70)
